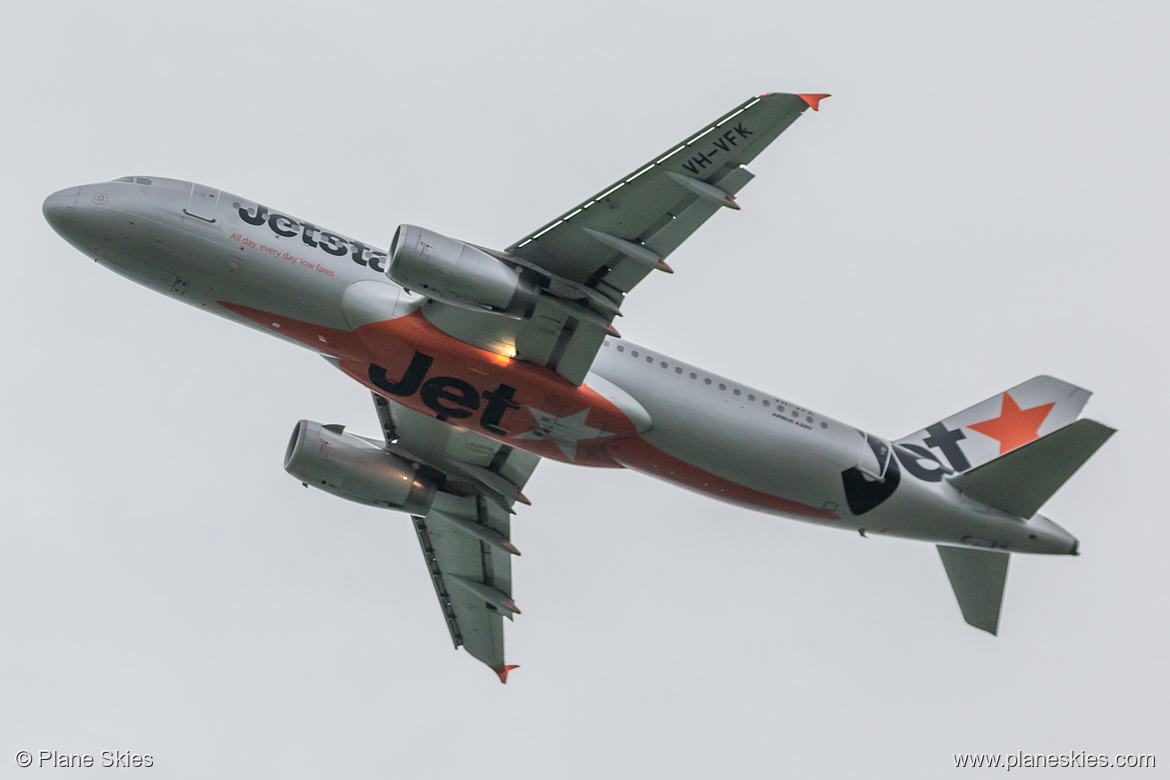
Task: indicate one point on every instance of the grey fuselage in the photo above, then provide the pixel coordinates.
(209, 248)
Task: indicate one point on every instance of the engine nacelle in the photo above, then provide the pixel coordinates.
(457, 273)
(356, 468)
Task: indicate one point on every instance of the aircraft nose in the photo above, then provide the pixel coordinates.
(59, 208)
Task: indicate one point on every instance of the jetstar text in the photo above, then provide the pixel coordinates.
(315, 237)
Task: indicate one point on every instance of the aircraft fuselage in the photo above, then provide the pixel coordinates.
(637, 409)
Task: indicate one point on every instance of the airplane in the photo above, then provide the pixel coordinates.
(481, 362)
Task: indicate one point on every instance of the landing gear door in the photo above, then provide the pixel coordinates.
(202, 203)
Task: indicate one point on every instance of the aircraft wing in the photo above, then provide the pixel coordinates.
(587, 259)
(466, 536)
(613, 240)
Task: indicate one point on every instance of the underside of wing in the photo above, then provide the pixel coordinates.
(613, 240)
(466, 534)
(580, 266)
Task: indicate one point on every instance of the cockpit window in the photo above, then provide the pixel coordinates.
(126, 178)
(141, 180)
(134, 180)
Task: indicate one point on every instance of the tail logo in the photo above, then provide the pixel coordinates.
(1015, 426)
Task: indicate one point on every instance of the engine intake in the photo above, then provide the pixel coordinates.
(356, 468)
(457, 273)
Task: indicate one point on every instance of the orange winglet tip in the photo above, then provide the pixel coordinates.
(523, 499)
(503, 673)
(662, 264)
(511, 548)
(512, 606)
(814, 101)
(731, 204)
(609, 325)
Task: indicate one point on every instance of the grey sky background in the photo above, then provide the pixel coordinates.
(982, 200)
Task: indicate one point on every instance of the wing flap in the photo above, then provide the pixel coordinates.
(537, 337)
(576, 349)
(466, 535)
(430, 557)
(463, 566)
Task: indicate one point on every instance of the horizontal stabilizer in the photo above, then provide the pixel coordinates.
(977, 578)
(1020, 481)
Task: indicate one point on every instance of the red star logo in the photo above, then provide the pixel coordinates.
(1014, 426)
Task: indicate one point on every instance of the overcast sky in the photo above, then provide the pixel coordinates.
(983, 199)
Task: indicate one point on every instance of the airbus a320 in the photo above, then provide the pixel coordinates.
(482, 361)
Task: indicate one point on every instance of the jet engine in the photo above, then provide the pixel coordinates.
(457, 273)
(356, 468)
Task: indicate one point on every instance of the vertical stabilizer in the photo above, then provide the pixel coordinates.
(978, 578)
(1000, 424)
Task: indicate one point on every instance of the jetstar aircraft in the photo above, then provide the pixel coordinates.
(483, 361)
